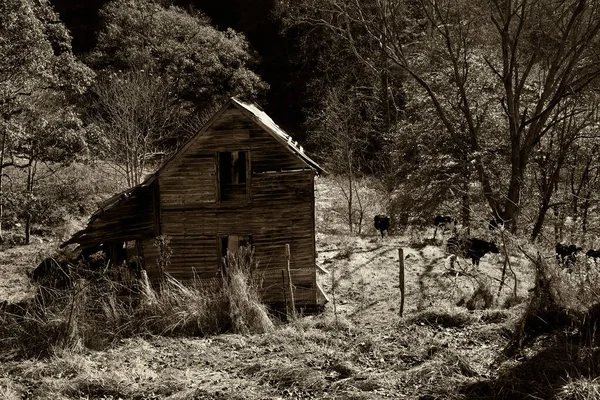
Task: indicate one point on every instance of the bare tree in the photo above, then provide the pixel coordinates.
(137, 118)
(340, 138)
(570, 122)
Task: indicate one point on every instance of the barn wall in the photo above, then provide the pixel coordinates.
(277, 210)
(132, 219)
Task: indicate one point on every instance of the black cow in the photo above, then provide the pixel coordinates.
(593, 254)
(445, 222)
(566, 254)
(471, 248)
(382, 223)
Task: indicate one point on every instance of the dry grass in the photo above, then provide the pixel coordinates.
(232, 304)
(87, 314)
(580, 389)
(450, 317)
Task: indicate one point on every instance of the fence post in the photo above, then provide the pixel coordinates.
(284, 296)
(290, 284)
(401, 279)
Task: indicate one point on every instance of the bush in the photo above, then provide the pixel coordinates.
(481, 299)
(59, 198)
(560, 301)
(230, 304)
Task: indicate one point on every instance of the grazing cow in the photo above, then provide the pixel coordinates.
(566, 254)
(496, 224)
(471, 248)
(593, 254)
(382, 223)
(445, 222)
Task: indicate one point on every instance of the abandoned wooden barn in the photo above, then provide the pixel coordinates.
(240, 180)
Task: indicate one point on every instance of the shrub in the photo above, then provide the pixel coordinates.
(579, 389)
(560, 300)
(231, 303)
(481, 299)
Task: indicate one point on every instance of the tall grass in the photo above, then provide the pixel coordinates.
(561, 301)
(90, 314)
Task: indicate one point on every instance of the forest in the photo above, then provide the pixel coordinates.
(493, 111)
(485, 111)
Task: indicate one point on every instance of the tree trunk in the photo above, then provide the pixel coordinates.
(547, 186)
(29, 197)
(351, 188)
(384, 76)
(557, 218)
(2, 148)
(512, 204)
(584, 222)
(466, 199)
(361, 210)
(28, 228)
(539, 222)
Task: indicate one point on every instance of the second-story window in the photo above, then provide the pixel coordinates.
(232, 175)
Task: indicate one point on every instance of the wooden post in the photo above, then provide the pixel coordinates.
(401, 279)
(284, 296)
(290, 284)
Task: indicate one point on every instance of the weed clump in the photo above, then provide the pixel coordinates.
(481, 299)
(579, 389)
(229, 304)
(550, 308)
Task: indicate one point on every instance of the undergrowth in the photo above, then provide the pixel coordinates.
(89, 314)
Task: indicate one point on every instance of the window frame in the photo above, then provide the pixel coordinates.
(219, 175)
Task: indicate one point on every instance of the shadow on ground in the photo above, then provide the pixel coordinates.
(540, 377)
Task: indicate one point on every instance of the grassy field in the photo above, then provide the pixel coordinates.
(358, 348)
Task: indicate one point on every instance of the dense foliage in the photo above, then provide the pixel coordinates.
(482, 110)
(203, 66)
(488, 86)
(38, 93)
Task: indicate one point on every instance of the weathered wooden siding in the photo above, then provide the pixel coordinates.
(132, 219)
(191, 182)
(282, 214)
(277, 211)
(150, 254)
(233, 130)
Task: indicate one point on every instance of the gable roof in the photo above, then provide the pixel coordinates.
(265, 122)
(261, 119)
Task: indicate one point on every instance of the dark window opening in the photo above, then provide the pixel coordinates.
(232, 174)
(126, 260)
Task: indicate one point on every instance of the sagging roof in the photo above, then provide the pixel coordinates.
(265, 122)
(261, 119)
(128, 213)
